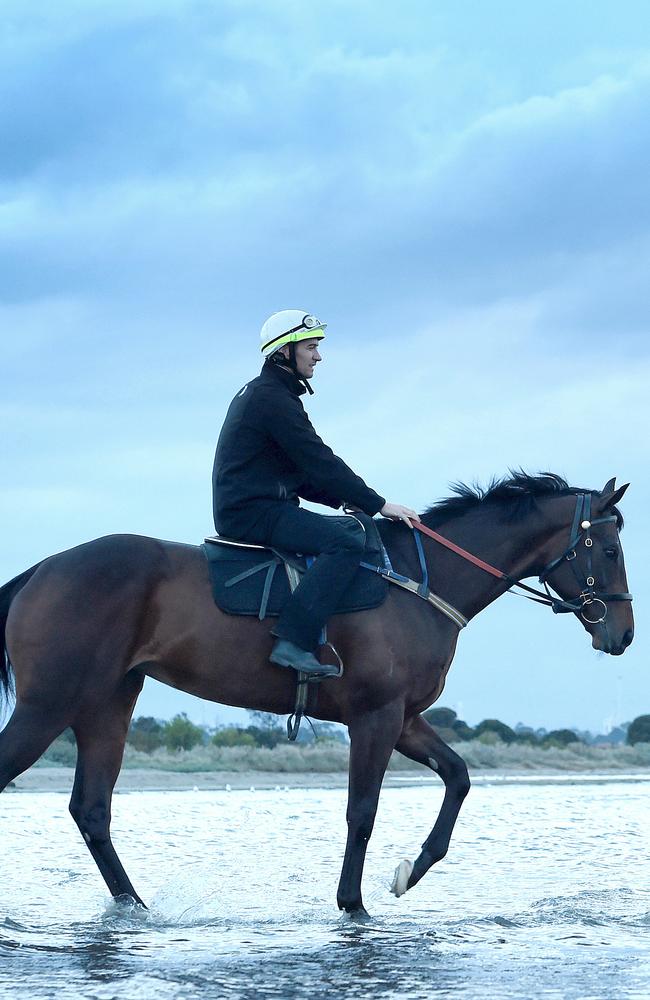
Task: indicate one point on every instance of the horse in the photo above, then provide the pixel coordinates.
(82, 629)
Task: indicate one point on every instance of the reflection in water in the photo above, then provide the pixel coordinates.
(542, 894)
(98, 955)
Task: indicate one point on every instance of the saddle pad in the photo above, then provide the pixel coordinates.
(263, 578)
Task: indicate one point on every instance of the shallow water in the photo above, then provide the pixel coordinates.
(545, 893)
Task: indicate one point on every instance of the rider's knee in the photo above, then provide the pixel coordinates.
(352, 537)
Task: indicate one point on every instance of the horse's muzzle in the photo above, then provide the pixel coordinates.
(606, 644)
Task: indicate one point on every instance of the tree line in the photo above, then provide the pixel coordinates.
(452, 729)
(148, 734)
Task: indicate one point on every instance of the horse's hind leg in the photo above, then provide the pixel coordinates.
(101, 734)
(26, 736)
(420, 742)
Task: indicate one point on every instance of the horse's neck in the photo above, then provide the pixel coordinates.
(518, 548)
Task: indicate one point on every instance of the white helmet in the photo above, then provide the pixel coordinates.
(289, 326)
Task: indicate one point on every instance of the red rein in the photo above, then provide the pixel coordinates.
(457, 549)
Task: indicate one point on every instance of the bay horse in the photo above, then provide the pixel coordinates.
(82, 629)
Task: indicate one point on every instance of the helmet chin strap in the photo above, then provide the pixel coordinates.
(279, 359)
(294, 367)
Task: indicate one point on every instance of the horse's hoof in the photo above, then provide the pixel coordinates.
(359, 916)
(127, 902)
(400, 882)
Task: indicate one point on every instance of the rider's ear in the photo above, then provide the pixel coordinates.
(609, 499)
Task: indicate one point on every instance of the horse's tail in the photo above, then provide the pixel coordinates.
(7, 594)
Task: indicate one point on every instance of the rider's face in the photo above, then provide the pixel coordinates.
(307, 357)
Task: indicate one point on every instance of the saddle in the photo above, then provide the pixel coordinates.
(255, 580)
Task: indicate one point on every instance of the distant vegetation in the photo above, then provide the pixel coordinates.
(147, 734)
(171, 744)
(180, 745)
(490, 731)
(639, 730)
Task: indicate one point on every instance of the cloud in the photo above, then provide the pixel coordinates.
(231, 159)
(473, 394)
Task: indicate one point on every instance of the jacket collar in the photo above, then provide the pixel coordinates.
(285, 376)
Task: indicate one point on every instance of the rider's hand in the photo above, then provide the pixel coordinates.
(396, 512)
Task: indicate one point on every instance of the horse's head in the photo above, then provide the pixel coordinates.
(590, 575)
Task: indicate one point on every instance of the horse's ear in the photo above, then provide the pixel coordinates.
(609, 487)
(611, 499)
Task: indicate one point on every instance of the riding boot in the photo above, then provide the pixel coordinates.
(287, 654)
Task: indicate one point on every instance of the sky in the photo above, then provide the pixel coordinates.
(460, 190)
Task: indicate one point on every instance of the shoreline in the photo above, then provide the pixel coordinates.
(59, 779)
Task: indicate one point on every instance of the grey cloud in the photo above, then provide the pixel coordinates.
(229, 162)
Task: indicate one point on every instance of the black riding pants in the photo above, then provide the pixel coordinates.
(338, 544)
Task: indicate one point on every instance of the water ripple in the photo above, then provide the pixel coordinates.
(542, 894)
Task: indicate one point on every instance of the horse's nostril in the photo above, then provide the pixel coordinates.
(627, 638)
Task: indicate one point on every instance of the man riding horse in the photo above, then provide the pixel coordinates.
(268, 457)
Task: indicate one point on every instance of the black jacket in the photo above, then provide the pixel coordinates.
(269, 454)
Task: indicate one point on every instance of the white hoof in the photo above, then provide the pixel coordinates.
(401, 877)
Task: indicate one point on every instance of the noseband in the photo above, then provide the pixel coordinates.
(588, 603)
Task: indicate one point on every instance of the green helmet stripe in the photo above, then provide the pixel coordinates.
(317, 333)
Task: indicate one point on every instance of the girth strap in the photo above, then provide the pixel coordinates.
(420, 590)
(423, 589)
(270, 566)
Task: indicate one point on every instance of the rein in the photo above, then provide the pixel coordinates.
(580, 531)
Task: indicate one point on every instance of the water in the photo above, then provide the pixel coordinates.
(545, 893)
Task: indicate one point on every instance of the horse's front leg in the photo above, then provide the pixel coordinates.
(372, 740)
(420, 742)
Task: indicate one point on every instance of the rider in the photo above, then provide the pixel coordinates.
(269, 455)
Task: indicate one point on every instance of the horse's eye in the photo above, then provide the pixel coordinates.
(611, 552)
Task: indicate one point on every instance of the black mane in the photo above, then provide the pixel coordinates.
(516, 494)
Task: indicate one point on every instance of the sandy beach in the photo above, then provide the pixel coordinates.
(59, 779)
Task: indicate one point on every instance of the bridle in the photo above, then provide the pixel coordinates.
(588, 596)
(588, 600)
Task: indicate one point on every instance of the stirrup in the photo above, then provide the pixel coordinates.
(302, 698)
